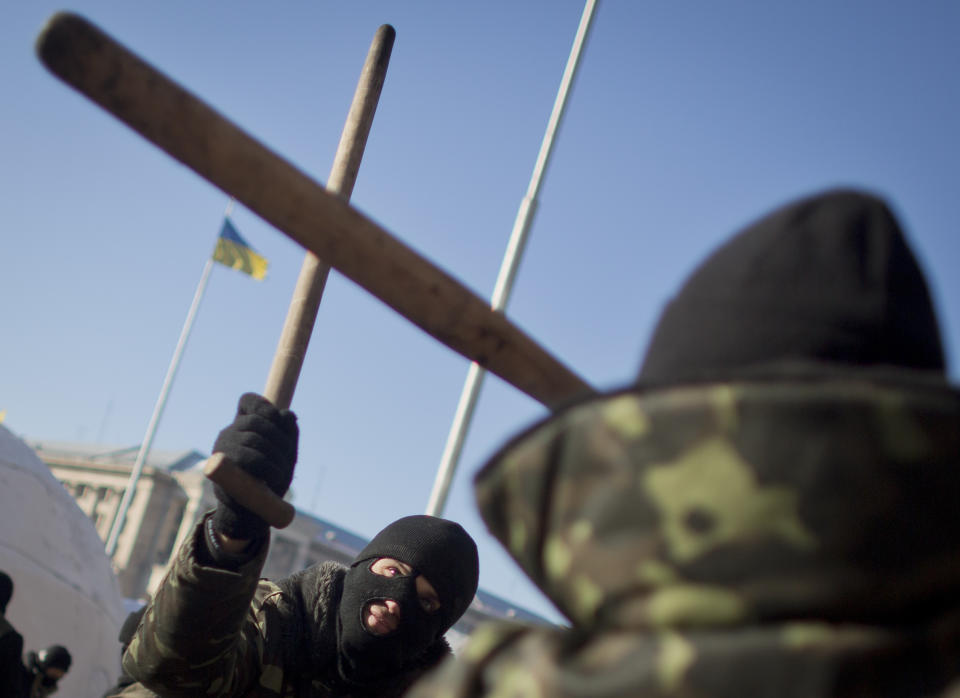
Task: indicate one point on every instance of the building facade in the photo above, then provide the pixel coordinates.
(172, 494)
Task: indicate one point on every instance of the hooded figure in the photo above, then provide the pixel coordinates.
(370, 629)
(438, 551)
(45, 669)
(213, 629)
(770, 511)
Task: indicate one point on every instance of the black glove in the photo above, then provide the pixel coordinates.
(262, 441)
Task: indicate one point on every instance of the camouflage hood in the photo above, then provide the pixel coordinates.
(793, 454)
(741, 503)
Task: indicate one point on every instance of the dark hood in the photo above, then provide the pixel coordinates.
(791, 450)
(827, 279)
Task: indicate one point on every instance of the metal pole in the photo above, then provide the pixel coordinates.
(508, 271)
(144, 451)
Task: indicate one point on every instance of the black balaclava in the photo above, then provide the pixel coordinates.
(6, 591)
(440, 550)
(55, 657)
(828, 279)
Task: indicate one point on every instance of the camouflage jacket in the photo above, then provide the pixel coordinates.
(216, 633)
(764, 538)
(131, 690)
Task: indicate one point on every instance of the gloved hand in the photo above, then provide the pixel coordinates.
(262, 440)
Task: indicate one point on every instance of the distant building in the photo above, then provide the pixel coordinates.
(173, 494)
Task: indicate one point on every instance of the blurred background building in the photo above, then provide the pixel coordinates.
(172, 494)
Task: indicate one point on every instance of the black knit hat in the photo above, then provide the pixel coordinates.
(440, 550)
(55, 656)
(829, 279)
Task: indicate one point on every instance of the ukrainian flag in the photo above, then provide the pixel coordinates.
(234, 252)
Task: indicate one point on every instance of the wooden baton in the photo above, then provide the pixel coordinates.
(192, 132)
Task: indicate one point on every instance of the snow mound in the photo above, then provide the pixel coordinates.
(65, 592)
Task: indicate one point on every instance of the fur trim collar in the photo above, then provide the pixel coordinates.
(310, 599)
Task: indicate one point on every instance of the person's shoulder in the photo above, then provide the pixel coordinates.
(320, 579)
(133, 690)
(269, 599)
(500, 657)
(9, 637)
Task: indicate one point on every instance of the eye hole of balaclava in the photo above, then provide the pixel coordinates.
(366, 656)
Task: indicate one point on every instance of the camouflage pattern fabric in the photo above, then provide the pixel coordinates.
(210, 632)
(134, 690)
(214, 633)
(205, 632)
(761, 538)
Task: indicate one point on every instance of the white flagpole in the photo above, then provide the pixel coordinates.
(508, 271)
(144, 451)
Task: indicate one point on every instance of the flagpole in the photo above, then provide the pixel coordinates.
(145, 446)
(508, 272)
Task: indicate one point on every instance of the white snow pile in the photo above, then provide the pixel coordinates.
(65, 592)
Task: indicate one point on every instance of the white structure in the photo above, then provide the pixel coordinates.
(65, 592)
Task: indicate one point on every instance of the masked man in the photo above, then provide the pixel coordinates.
(213, 629)
(45, 669)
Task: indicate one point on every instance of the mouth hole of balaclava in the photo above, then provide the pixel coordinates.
(365, 655)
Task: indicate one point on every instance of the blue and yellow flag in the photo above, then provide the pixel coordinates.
(234, 252)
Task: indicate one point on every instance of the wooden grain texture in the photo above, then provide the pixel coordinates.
(360, 249)
(307, 294)
(291, 350)
(249, 492)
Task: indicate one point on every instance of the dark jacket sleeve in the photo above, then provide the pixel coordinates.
(199, 635)
(11, 667)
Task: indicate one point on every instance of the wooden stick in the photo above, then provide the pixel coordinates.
(190, 131)
(193, 133)
(302, 314)
(305, 303)
(252, 494)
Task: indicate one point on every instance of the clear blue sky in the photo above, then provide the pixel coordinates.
(687, 121)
